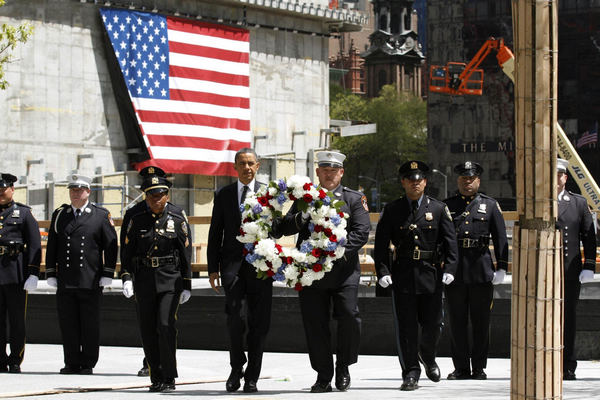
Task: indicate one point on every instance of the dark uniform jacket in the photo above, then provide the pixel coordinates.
(475, 218)
(575, 222)
(421, 243)
(224, 252)
(346, 270)
(83, 249)
(20, 244)
(157, 249)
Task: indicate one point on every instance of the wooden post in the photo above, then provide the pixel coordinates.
(536, 321)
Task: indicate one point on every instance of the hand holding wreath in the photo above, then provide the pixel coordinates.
(327, 226)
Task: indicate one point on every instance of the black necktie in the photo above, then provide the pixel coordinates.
(414, 206)
(244, 192)
(77, 213)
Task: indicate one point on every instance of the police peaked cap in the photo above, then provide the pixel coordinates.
(152, 170)
(413, 170)
(561, 165)
(468, 168)
(333, 159)
(78, 181)
(155, 184)
(7, 180)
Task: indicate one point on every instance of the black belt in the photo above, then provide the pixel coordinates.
(416, 254)
(155, 262)
(468, 243)
(11, 250)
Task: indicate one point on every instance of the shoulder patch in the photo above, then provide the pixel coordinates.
(365, 205)
(498, 205)
(184, 216)
(110, 220)
(448, 213)
(184, 228)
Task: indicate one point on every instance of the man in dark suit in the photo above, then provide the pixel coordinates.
(226, 263)
(476, 217)
(425, 256)
(577, 226)
(20, 254)
(156, 265)
(338, 287)
(81, 256)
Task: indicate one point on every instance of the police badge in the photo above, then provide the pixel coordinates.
(170, 225)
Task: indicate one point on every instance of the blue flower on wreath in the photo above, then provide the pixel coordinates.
(335, 220)
(327, 200)
(306, 247)
(282, 185)
(281, 199)
(257, 209)
(311, 226)
(342, 241)
(279, 277)
(249, 246)
(242, 208)
(331, 246)
(251, 257)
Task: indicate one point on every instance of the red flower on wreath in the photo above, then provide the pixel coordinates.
(292, 197)
(307, 198)
(298, 287)
(278, 247)
(318, 228)
(333, 238)
(269, 264)
(317, 267)
(270, 273)
(316, 252)
(245, 251)
(327, 232)
(263, 201)
(322, 194)
(242, 233)
(306, 186)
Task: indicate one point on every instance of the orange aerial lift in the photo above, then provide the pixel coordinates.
(458, 78)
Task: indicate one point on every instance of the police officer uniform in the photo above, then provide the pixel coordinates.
(470, 296)
(576, 223)
(81, 256)
(425, 248)
(20, 254)
(338, 287)
(157, 256)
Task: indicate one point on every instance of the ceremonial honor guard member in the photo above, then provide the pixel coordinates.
(226, 262)
(476, 217)
(81, 255)
(339, 287)
(425, 255)
(156, 266)
(20, 254)
(577, 226)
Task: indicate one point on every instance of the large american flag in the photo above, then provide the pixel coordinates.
(188, 82)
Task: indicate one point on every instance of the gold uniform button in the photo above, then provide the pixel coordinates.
(466, 222)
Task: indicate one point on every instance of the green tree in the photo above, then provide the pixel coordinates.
(401, 136)
(10, 36)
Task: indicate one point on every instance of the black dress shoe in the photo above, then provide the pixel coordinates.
(479, 375)
(342, 378)
(459, 374)
(431, 370)
(155, 387)
(14, 369)
(144, 371)
(569, 375)
(69, 370)
(168, 386)
(250, 386)
(320, 387)
(233, 382)
(409, 384)
(86, 371)
(3, 368)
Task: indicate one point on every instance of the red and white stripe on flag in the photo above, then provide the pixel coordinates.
(189, 86)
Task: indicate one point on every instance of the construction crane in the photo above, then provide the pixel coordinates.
(456, 78)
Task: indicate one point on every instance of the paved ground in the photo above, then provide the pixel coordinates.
(285, 376)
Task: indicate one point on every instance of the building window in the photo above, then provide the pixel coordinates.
(381, 79)
(395, 24)
(383, 23)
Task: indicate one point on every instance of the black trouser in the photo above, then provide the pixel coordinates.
(412, 311)
(79, 321)
(572, 289)
(472, 301)
(257, 295)
(315, 304)
(157, 314)
(13, 303)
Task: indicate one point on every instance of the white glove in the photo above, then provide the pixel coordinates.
(128, 289)
(52, 282)
(31, 283)
(185, 296)
(498, 277)
(447, 278)
(385, 281)
(585, 276)
(105, 281)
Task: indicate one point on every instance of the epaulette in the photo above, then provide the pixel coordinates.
(576, 195)
(347, 189)
(99, 207)
(22, 205)
(174, 210)
(434, 200)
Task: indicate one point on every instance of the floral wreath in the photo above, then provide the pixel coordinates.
(297, 267)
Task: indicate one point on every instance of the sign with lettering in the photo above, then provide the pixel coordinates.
(482, 147)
